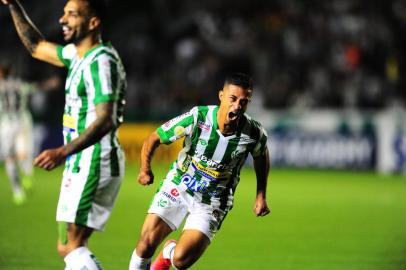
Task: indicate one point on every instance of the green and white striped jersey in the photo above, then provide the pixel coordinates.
(209, 164)
(97, 77)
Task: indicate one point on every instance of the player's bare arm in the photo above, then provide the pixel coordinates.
(104, 123)
(30, 36)
(261, 166)
(146, 177)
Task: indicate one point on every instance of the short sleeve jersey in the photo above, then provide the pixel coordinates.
(97, 77)
(209, 164)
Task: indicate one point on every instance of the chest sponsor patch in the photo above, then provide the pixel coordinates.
(211, 174)
(69, 123)
(203, 125)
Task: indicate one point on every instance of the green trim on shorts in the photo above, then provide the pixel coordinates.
(89, 191)
(63, 232)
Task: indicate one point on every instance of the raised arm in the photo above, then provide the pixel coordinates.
(104, 123)
(146, 177)
(30, 36)
(261, 166)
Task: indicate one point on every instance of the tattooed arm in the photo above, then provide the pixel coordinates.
(30, 36)
(104, 123)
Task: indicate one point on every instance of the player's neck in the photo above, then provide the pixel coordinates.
(225, 128)
(86, 44)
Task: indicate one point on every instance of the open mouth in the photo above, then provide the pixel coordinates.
(66, 30)
(232, 116)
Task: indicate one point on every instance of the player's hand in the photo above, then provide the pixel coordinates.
(50, 159)
(7, 2)
(261, 207)
(145, 178)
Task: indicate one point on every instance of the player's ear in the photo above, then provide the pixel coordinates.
(221, 94)
(94, 23)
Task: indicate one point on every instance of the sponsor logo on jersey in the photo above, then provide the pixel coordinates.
(69, 123)
(169, 196)
(179, 131)
(175, 192)
(193, 183)
(202, 125)
(173, 121)
(212, 163)
(211, 174)
(162, 203)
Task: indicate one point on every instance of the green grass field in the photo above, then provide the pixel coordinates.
(320, 220)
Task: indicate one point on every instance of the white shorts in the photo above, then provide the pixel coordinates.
(88, 200)
(173, 204)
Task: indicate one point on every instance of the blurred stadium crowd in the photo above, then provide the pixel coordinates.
(302, 54)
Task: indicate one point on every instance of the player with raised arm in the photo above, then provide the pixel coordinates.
(200, 185)
(95, 86)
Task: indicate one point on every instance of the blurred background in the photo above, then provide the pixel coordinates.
(330, 89)
(330, 84)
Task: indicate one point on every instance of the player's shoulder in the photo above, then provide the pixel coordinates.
(106, 52)
(201, 112)
(204, 109)
(252, 127)
(68, 51)
(252, 122)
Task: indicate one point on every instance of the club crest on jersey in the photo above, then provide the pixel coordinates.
(202, 125)
(203, 142)
(236, 154)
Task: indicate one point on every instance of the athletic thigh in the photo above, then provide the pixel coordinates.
(153, 232)
(190, 247)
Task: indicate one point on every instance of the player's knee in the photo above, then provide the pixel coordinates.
(62, 250)
(182, 260)
(146, 245)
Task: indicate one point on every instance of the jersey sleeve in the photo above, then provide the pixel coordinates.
(66, 53)
(261, 145)
(178, 127)
(103, 78)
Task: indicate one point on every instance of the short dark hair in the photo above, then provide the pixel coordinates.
(98, 8)
(240, 79)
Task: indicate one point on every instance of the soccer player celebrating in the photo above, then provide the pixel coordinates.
(94, 90)
(200, 185)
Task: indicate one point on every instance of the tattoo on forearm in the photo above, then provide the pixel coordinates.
(28, 33)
